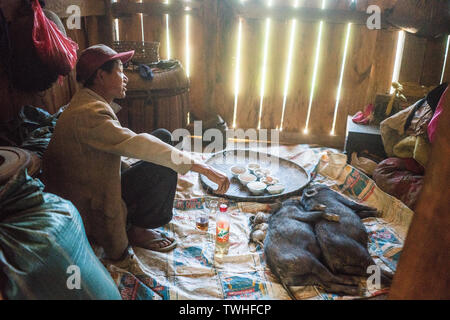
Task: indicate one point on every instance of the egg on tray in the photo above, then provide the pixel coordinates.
(269, 180)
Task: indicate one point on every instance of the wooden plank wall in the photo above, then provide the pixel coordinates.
(368, 70)
(369, 67)
(213, 36)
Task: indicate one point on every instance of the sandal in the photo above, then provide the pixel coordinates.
(165, 248)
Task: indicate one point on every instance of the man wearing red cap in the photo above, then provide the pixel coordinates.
(83, 162)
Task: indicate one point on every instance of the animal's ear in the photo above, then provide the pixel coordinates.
(310, 192)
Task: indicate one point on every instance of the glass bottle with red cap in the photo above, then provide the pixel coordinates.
(222, 230)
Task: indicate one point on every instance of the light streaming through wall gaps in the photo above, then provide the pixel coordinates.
(237, 72)
(398, 58)
(338, 96)
(445, 60)
(264, 66)
(167, 34)
(316, 65)
(288, 66)
(141, 17)
(116, 27)
(188, 48)
(341, 77)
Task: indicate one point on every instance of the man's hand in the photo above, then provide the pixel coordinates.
(214, 175)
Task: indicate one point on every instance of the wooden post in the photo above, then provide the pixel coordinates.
(154, 27)
(130, 26)
(422, 271)
(211, 27)
(105, 25)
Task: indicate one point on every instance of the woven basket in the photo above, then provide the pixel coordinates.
(145, 52)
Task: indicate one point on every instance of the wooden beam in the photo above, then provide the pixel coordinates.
(283, 12)
(422, 272)
(88, 7)
(324, 140)
(252, 11)
(285, 137)
(154, 9)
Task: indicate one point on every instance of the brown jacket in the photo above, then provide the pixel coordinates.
(82, 164)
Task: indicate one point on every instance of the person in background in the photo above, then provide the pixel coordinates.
(83, 162)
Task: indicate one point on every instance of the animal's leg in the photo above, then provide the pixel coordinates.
(368, 213)
(343, 255)
(324, 275)
(343, 289)
(308, 216)
(336, 283)
(351, 204)
(304, 270)
(329, 286)
(354, 270)
(280, 275)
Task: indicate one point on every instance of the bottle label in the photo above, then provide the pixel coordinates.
(222, 231)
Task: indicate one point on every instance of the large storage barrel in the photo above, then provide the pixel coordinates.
(162, 102)
(14, 159)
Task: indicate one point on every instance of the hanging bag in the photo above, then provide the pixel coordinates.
(53, 48)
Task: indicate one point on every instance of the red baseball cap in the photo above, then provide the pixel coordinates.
(94, 57)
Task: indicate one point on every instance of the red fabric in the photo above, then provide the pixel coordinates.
(53, 48)
(401, 178)
(432, 126)
(364, 117)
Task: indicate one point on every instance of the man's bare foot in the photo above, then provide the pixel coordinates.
(148, 238)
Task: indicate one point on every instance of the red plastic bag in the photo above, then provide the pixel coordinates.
(54, 49)
(364, 117)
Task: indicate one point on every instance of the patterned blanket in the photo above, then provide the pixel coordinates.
(192, 271)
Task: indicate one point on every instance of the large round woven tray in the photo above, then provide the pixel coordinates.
(293, 176)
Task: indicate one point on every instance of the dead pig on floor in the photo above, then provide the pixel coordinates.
(343, 244)
(293, 252)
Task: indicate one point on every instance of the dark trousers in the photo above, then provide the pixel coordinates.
(149, 189)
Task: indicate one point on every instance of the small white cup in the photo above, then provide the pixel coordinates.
(237, 170)
(252, 167)
(276, 188)
(246, 178)
(256, 187)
